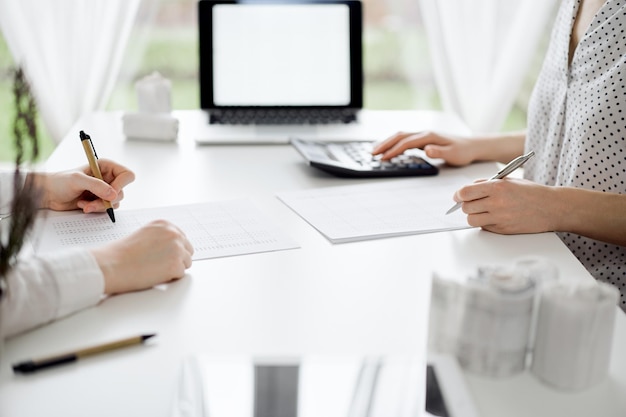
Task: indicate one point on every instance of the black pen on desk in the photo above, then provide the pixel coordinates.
(92, 157)
(510, 167)
(33, 365)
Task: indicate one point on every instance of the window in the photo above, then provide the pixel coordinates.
(398, 73)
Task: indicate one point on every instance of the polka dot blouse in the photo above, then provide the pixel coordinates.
(577, 125)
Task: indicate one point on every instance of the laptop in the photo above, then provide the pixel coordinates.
(271, 70)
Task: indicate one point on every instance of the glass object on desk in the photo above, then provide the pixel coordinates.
(484, 320)
(311, 386)
(574, 339)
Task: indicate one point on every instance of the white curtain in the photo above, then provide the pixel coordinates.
(70, 50)
(481, 51)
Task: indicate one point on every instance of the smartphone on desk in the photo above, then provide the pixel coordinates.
(355, 159)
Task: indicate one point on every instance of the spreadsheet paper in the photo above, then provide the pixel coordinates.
(215, 229)
(377, 210)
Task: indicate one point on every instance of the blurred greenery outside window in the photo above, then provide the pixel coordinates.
(398, 73)
(7, 113)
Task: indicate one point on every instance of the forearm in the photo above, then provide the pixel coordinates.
(500, 148)
(42, 289)
(594, 214)
(7, 179)
(40, 181)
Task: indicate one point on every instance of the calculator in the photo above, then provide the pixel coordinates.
(355, 159)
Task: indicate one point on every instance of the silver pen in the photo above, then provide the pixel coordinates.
(510, 167)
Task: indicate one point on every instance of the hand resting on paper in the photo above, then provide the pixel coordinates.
(158, 252)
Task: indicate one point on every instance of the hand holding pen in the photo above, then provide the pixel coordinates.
(509, 168)
(79, 189)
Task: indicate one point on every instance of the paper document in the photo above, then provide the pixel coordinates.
(215, 229)
(391, 208)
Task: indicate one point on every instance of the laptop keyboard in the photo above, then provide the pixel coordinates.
(281, 116)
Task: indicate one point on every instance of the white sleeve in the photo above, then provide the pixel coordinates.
(41, 289)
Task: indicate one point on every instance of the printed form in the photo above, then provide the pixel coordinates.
(215, 229)
(383, 209)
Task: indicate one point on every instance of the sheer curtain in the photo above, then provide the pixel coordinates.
(71, 52)
(481, 50)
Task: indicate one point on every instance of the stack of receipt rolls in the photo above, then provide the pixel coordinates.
(575, 323)
(504, 320)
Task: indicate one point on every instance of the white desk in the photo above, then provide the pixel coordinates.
(365, 297)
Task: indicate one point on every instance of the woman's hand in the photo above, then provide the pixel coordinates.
(157, 253)
(454, 150)
(79, 189)
(511, 206)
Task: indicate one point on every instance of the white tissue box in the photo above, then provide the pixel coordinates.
(150, 126)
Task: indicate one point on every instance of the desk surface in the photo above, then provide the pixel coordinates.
(363, 297)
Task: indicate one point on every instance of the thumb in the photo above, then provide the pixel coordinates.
(435, 151)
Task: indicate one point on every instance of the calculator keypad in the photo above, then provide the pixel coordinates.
(361, 153)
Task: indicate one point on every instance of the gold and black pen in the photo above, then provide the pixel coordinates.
(92, 157)
(32, 365)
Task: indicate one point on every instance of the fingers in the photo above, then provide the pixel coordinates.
(115, 178)
(477, 200)
(185, 249)
(433, 144)
(115, 174)
(93, 186)
(186, 259)
(482, 220)
(178, 235)
(97, 205)
(188, 248)
(118, 176)
(401, 141)
(488, 205)
(472, 192)
(388, 143)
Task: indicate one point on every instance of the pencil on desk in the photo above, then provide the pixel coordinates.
(33, 365)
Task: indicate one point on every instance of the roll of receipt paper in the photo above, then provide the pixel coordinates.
(485, 322)
(572, 348)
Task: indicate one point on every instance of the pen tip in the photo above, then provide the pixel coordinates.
(83, 135)
(111, 214)
(147, 336)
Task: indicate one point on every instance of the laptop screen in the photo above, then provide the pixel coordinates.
(280, 53)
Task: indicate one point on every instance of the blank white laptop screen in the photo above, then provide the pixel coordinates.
(256, 64)
(271, 70)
